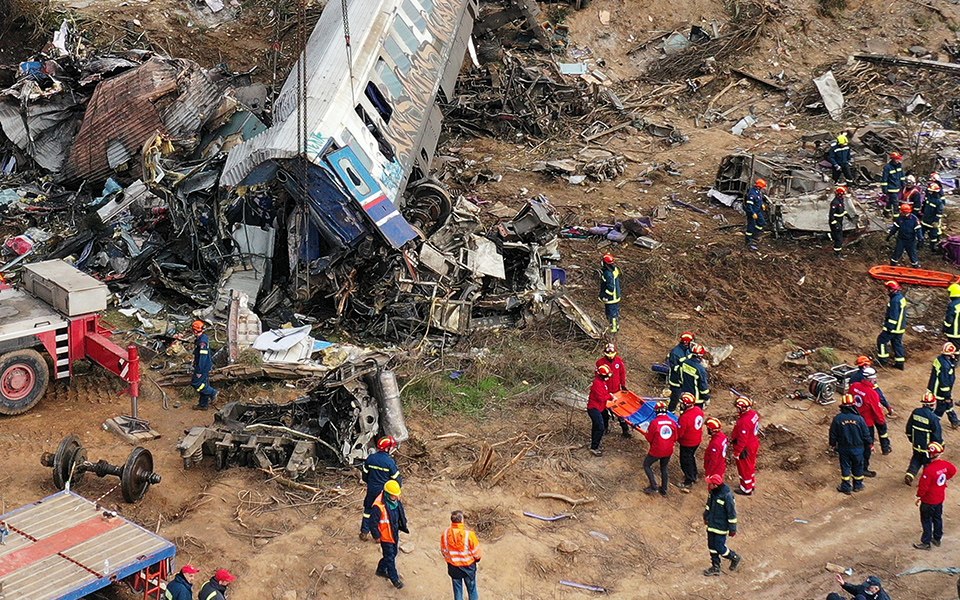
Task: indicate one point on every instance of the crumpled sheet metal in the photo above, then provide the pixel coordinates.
(44, 129)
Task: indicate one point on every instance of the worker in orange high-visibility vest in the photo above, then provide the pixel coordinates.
(461, 549)
(387, 520)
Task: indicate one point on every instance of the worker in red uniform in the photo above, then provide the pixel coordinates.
(931, 493)
(691, 434)
(596, 407)
(616, 383)
(746, 444)
(662, 435)
(867, 400)
(715, 456)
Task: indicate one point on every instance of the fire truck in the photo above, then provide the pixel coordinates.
(49, 323)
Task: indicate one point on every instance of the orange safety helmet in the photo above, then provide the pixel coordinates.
(896, 155)
(713, 425)
(893, 286)
(198, 326)
(935, 449)
(603, 371)
(906, 209)
(687, 336)
(762, 184)
(387, 443)
(928, 398)
(661, 407)
(687, 399)
(949, 349)
(840, 191)
(864, 361)
(848, 400)
(608, 259)
(743, 403)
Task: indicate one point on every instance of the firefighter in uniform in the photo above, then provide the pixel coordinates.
(387, 520)
(838, 212)
(867, 401)
(931, 215)
(616, 383)
(931, 493)
(909, 233)
(691, 434)
(951, 321)
(746, 444)
(715, 456)
(912, 195)
(693, 375)
(611, 291)
(755, 204)
(892, 180)
(216, 588)
(923, 427)
(662, 436)
(461, 549)
(870, 589)
(181, 588)
(678, 355)
(720, 517)
(894, 326)
(942, 378)
(202, 364)
(839, 157)
(376, 471)
(851, 439)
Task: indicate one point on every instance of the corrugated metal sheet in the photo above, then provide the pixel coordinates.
(171, 96)
(45, 129)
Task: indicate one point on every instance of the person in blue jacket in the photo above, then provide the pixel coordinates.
(839, 157)
(181, 588)
(611, 291)
(894, 326)
(754, 206)
(951, 320)
(376, 471)
(870, 589)
(931, 216)
(202, 365)
(892, 180)
(693, 375)
(851, 438)
(906, 227)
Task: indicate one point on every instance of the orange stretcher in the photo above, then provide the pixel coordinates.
(636, 410)
(913, 276)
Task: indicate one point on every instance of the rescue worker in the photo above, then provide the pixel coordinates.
(662, 436)
(755, 205)
(461, 549)
(678, 355)
(690, 435)
(387, 520)
(931, 493)
(892, 180)
(906, 227)
(931, 215)
(838, 212)
(181, 588)
(202, 364)
(951, 321)
(862, 362)
(746, 444)
(378, 469)
(851, 439)
(611, 291)
(596, 407)
(693, 375)
(912, 195)
(616, 383)
(839, 157)
(923, 428)
(720, 517)
(867, 401)
(894, 326)
(870, 589)
(216, 588)
(715, 456)
(942, 378)
(880, 426)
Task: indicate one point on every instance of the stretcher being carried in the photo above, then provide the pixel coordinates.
(636, 410)
(911, 276)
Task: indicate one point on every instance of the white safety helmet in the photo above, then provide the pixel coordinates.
(911, 179)
(870, 373)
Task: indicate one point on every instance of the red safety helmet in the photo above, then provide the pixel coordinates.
(661, 407)
(933, 186)
(603, 371)
(387, 443)
(698, 350)
(198, 326)
(762, 184)
(906, 209)
(840, 191)
(893, 286)
(935, 177)
(928, 398)
(608, 259)
(713, 425)
(896, 155)
(935, 449)
(864, 361)
(687, 399)
(848, 400)
(687, 336)
(743, 403)
(949, 349)
(715, 479)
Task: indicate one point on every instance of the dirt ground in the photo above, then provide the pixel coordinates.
(279, 539)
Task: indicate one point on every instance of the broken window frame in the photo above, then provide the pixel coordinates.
(378, 101)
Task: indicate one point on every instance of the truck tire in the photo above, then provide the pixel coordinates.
(24, 376)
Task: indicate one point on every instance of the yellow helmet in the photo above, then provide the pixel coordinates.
(392, 487)
(954, 290)
(842, 140)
